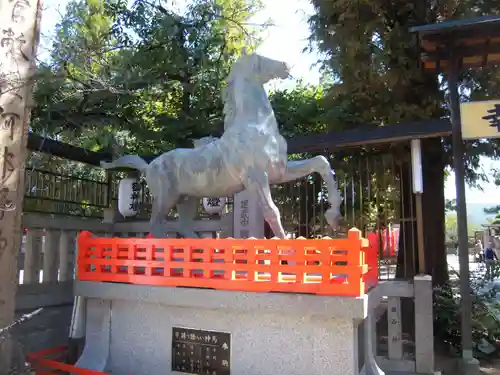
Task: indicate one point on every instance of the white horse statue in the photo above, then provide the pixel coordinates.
(251, 155)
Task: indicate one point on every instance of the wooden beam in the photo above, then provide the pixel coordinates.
(466, 63)
(478, 50)
(66, 151)
(464, 28)
(369, 136)
(479, 32)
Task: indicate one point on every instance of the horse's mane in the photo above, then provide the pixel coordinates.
(228, 91)
(229, 104)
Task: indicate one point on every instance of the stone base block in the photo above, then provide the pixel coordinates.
(271, 333)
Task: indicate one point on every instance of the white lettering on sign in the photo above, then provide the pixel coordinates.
(201, 352)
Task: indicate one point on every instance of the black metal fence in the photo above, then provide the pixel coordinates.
(375, 186)
(57, 193)
(370, 186)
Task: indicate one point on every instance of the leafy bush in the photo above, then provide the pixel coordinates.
(485, 313)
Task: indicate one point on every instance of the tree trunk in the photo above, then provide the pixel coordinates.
(433, 206)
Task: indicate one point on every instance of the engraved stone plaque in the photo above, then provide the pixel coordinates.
(201, 352)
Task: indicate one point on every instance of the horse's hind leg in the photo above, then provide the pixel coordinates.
(319, 164)
(257, 183)
(188, 210)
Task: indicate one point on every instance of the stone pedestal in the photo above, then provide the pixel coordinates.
(270, 333)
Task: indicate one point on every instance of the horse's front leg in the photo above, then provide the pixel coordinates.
(188, 209)
(257, 183)
(163, 200)
(319, 164)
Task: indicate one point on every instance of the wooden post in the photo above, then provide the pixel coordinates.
(50, 256)
(20, 30)
(64, 254)
(32, 255)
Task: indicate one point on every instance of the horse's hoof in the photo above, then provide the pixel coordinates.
(332, 218)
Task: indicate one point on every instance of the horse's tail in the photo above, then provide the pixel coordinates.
(127, 161)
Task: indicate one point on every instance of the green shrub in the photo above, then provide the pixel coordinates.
(485, 313)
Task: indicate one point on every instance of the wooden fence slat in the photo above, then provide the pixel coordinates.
(50, 257)
(64, 254)
(32, 257)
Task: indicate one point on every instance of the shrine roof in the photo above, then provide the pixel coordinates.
(469, 43)
(455, 25)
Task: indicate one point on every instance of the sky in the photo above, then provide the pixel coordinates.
(285, 41)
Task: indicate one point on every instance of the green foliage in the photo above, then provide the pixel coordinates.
(300, 111)
(369, 49)
(450, 205)
(485, 309)
(472, 229)
(143, 78)
(450, 225)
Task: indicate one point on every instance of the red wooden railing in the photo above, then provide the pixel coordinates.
(325, 266)
(51, 362)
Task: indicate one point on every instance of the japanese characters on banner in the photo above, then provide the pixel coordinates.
(129, 194)
(19, 32)
(480, 119)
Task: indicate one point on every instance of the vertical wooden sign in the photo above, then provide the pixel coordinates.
(19, 35)
(248, 216)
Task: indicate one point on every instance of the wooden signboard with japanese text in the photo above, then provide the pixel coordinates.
(480, 119)
(19, 34)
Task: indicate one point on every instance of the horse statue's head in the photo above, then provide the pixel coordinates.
(256, 67)
(251, 70)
